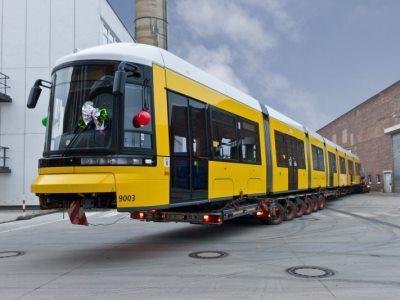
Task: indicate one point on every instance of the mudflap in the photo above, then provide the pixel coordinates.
(77, 214)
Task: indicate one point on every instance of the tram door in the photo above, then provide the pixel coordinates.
(292, 148)
(188, 147)
(332, 168)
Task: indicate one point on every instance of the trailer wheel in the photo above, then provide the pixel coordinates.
(290, 212)
(277, 213)
(300, 207)
(321, 202)
(308, 205)
(315, 205)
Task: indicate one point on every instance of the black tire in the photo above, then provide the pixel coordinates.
(290, 212)
(277, 214)
(321, 202)
(300, 207)
(308, 203)
(315, 206)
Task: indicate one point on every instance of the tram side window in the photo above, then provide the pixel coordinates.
(351, 167)
(358, 169)
(301, 162)
(178, 115)
(332, 162)
(280, 149)
(224, 136)
(249, 145)
(318, 158)
(136, 137)
(342, 165)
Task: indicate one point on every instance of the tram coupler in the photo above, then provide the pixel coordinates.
(77, 214)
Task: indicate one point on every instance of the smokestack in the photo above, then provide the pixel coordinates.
(151, 23)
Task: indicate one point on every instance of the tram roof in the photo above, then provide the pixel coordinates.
(283, 118)
(149, 55)
(330, 143)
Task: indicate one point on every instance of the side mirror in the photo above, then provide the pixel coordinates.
(35, 92)
(125, 69)
(119, 82)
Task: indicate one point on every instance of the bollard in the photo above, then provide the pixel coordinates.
(23, 208)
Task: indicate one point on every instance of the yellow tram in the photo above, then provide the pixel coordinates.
(134, 127)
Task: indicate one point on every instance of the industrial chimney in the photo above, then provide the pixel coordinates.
(151, 23)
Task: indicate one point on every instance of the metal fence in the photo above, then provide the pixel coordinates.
(3, 160)
(3, 83)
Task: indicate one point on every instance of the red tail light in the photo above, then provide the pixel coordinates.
(212, 219)
(138, 215)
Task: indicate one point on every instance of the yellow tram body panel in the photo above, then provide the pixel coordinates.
(138, 186)
(280, 176)
(318, 177)
(161, 111)
(61, 183)
(357, 176)
(350, 170)
(226, 179)
(342, 175)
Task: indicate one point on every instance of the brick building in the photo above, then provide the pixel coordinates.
(372, 131)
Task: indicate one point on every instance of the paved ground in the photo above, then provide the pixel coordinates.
(357, 237)
(9, 215)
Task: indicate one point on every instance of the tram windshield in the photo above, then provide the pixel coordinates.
(82, 111)
(82, 106)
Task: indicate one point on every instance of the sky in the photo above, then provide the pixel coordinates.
(312, 60)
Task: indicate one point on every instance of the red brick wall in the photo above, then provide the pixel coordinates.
(367, 122)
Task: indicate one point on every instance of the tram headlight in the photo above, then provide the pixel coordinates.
(115, 161)
(88, 161)
(103, 161)
(137, 161)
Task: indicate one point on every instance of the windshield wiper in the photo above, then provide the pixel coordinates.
(73, 140)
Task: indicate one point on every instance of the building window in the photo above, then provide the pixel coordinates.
(351, 139)
(318, 158)
(344, 136)
(369, 179)
(108, 36)
(378, 179)
(334, 138)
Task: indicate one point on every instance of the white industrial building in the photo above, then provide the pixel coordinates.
(33, 35)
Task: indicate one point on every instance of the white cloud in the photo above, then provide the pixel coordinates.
(278, 11)
(217, 62)
(233, 39)
(302, 106)
(210, 18)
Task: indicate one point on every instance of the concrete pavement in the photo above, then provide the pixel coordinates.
(357, 237)
(10, 215)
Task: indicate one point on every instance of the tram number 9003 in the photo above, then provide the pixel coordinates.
(126, 198)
